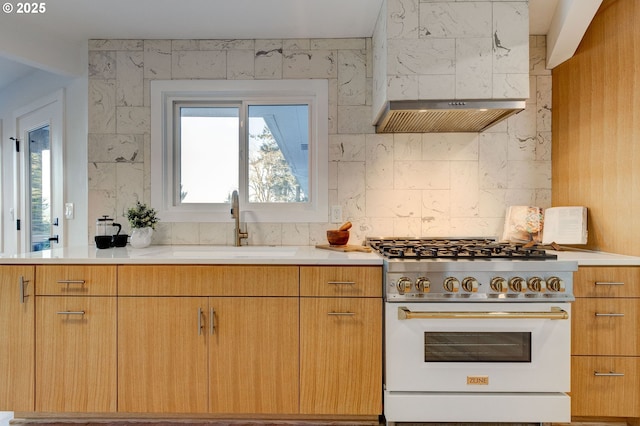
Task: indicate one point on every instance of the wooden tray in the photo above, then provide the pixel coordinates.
(344, 248)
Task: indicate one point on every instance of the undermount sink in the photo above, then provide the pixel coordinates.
(233, 252)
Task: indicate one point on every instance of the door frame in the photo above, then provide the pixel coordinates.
(46, 110)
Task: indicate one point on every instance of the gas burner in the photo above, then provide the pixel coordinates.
(455, 248)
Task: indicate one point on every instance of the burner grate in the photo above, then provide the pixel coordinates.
(455, 248)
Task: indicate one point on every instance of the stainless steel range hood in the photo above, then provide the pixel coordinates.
(431, 116)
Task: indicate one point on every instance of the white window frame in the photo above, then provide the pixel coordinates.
(164, 93)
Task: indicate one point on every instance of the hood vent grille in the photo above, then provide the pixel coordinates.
(445, 116)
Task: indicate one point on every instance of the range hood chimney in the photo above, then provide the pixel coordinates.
(431, 116)
(449, 66)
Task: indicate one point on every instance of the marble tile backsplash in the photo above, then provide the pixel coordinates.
(387, 184)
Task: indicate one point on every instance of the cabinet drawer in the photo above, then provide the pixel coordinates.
(336, 281)
(605, 326)
(604, 386)
(83, 280)
(607, 281)
(196, 280)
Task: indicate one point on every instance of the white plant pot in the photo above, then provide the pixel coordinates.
(141, 237)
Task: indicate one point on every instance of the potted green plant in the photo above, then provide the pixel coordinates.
(142, 220)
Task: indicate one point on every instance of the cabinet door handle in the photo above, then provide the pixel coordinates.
(341, 282)
(212, 321)
(199, 321)
(341, 314)
(609, 315)
(609, 374)
(22, 283)
(71, 313)
(608, 283)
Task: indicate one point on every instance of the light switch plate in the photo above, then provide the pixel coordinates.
(336, 214)
(68, 210)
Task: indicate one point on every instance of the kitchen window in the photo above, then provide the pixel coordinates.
(267, 139)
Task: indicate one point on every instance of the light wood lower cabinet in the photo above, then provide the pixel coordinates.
(197, 354)
(191, 339)
(341, 340)
(17, 352)
(253, 355)
(162, 355)
(76, 354)
(231, 347)
(605, 363)
(341, 356)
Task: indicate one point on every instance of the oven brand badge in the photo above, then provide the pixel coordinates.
(478, 380)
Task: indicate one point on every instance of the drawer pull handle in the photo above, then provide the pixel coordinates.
(70, 313)
(609, 315)
(67, 282)
(200, 326)
(341, 314)
(341, 283)
(609, 374)
(608, 283)
(212, 321)
(23, 288)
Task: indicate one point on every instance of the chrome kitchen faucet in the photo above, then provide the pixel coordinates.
(235, 213)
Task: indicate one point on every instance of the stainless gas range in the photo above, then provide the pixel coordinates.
(475, 331)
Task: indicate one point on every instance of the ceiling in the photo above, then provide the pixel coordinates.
(67, 24)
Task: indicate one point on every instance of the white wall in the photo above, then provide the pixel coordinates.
(23, 92)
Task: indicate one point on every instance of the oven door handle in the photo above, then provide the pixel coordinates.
(554, 314)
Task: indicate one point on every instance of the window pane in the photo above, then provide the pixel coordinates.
(209, 146)
(40, 182)
(278, 167)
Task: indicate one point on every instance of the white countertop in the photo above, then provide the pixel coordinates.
(196, 254)
(264, 255)
(596, 258)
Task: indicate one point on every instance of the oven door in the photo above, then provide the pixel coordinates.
(478, 347)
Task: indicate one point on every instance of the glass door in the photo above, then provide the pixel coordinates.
(38, 166)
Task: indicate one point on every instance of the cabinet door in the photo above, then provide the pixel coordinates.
(162, 355)
(341, 356)
(605, 326)
(76, 357)
(254, 355)
(17, 338)
(604, 386)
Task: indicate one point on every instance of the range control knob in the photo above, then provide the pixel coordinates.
(555, 284)
(499, 285)
(403, 285)
(423, 285)
(451, 284)
(517, 284)
(470, 284)
(537, 284)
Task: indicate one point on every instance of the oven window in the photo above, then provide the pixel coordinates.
(477, 347)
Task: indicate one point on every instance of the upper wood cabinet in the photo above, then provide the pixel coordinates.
(17, 346)
(76, 280)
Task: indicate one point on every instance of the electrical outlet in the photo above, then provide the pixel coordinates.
(336, 214)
